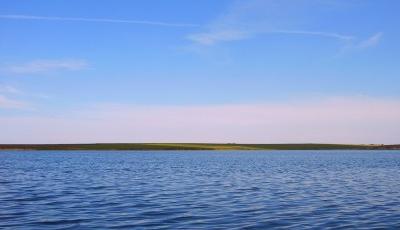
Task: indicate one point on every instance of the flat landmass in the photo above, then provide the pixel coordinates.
(194, 146)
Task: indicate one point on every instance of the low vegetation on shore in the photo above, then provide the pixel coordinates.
(193, 146)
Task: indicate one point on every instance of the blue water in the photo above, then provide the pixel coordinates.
(199, 189)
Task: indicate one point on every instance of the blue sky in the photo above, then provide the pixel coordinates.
(62, 63)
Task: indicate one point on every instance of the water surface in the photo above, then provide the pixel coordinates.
(199, 189)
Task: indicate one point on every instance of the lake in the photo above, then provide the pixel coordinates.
(199, 189)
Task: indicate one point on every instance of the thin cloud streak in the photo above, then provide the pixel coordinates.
(316, 33)
(46, 65)
(9, 89)
(214, 37)
(218, 36)
(99, 20)
(371, 41)
(248, 19)
(8, 103)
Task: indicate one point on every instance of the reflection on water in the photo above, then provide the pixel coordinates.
(199, 189)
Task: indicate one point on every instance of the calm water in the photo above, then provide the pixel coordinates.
(199, 190)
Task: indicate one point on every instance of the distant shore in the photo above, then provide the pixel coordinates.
(194, 146)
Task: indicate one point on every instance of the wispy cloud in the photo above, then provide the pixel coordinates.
(7, 89)
(248, 19)
(8, 103)
(218, 36)
(11, 91)
(8, 95)
(371, 41)
(316, 33)
(210, 38)
(43, 66)
(98, 20)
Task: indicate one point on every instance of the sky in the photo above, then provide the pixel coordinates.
(250, 71)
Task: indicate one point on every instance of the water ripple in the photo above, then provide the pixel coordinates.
(200, 190)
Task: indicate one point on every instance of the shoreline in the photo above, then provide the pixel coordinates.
(191, 146)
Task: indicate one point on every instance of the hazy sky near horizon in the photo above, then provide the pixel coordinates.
(251, 71)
